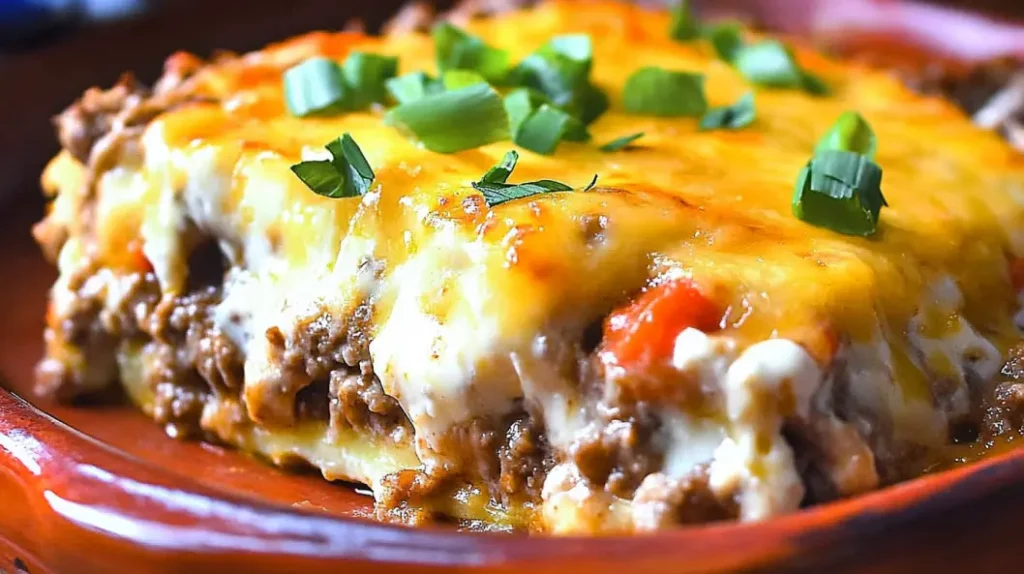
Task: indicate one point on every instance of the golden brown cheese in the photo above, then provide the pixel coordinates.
(460, 292)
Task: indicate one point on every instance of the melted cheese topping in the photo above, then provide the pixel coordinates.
(462, 293)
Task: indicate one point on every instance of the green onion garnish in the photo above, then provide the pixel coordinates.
(546, 127)
(365, 75)
(560, 70)
(588, 103)
(315, 87)
(346, 174)
(495, 191)
(770, 63)
(456, 79)
(684, 24)
(413, 86)
(537, 125)
(319, 86)
(458, 50)
(726, 38)
(840, 190)
(455, 120)
(519, 104)
(558, 67)
(659, 92)
(731, 117)
(850, 133)
(622, 142)
(814, 85)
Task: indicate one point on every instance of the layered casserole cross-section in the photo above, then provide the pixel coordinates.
(794, 279)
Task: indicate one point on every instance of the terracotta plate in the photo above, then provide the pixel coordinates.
(99, 488)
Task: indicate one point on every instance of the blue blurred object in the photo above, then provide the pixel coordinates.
(23, 20)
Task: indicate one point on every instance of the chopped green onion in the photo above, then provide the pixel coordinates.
(492, 185)
(560, 70)
(455, 79)
(622, 142)
(814, 85)
(558, 67)
(731, 117)
(315, 87)
(519, 104)
(840, 190)
(684, 24)
(850, 133)
(659, 92)
(319, 86)
(458, 50)
(412, 86)
(545, 128)
(346, 174)
(771, 63)
(588, 103)
(726, 38)
(537, 125)
(501, 172)
(366, 75)
(453, 121)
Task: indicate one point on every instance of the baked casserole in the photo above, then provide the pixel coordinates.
(583, 267)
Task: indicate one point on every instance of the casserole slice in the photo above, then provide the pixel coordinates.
(711, 331)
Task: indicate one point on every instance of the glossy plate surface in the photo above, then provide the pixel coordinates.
(100, 488)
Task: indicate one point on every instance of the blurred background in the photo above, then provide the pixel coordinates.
(51, 50)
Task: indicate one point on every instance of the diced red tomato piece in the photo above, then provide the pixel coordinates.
(137, 258)
(643, 333)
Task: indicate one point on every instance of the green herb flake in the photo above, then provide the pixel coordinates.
(346, 174)
(501, 172)
(733, 117)
(621, 143)
(495, 191)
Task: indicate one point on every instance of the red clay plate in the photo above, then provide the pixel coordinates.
(100, 488)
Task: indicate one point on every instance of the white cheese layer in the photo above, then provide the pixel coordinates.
(769, 382)
(748, 457)
(950, 346)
